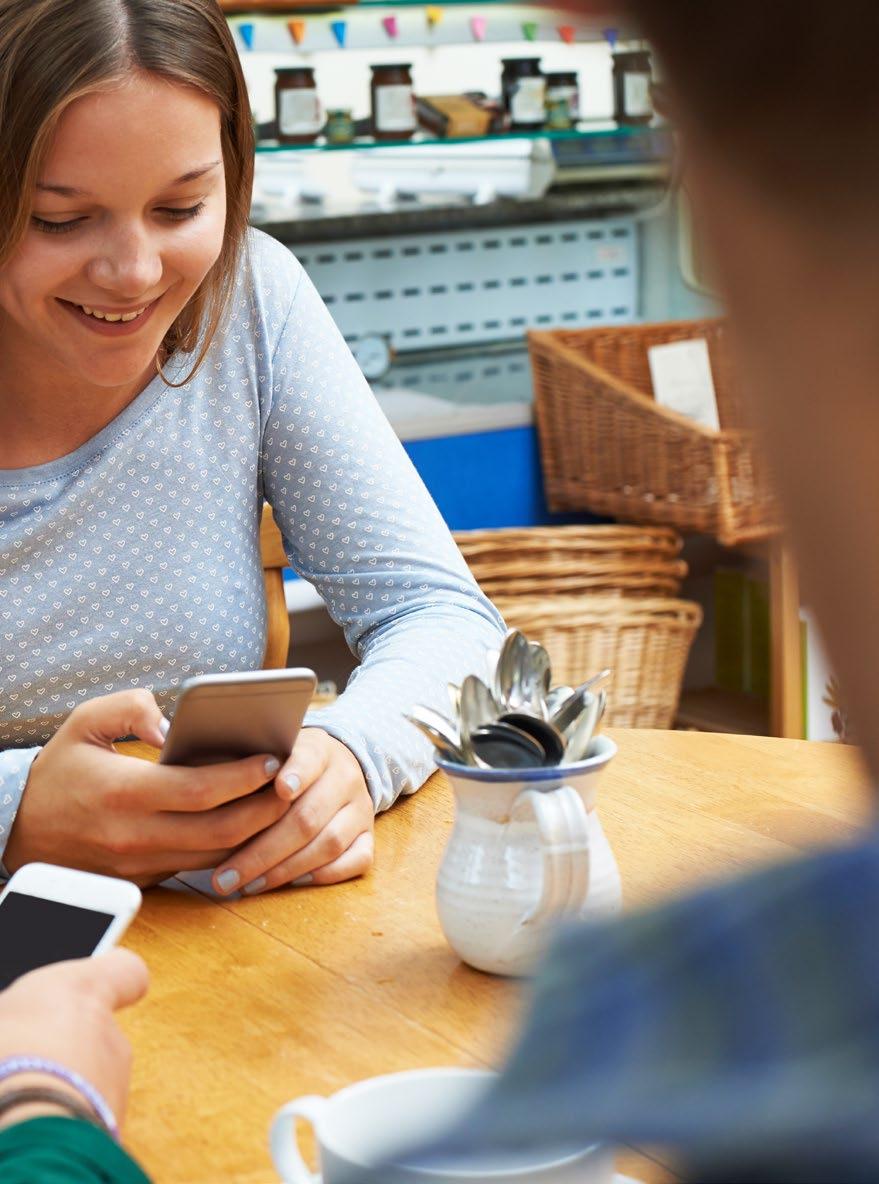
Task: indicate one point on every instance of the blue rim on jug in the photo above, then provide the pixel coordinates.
(605, 751)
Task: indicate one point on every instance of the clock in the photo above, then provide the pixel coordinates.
(373, 355)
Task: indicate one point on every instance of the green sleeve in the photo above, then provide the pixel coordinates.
(64, 1151)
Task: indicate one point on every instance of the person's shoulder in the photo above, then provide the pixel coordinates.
(270, 269)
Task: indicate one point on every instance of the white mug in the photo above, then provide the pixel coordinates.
(370, 1122)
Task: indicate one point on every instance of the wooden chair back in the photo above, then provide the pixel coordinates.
(274, 560)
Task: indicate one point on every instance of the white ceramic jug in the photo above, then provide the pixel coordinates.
(526, 850)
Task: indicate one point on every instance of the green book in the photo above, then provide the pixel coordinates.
(759, 642)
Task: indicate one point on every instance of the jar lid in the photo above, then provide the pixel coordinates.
(282, 71)
(562, 76)
(393, 66)
(520, 61)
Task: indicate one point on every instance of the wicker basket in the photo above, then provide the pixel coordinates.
(607, 446)
(645, 641)
(575, 560)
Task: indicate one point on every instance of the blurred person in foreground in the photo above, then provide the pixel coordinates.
(739, 1028)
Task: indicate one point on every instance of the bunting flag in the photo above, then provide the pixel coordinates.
(611, 36)
(340, 32)
(389, 24)
(478, 25)
(297, 31)
(567, 34)
(529, 30)
(246, 33)
(434, 16)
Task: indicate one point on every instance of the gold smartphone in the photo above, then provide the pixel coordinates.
(224, 717)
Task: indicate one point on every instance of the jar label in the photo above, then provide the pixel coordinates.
(394, 108)
(527, 97)
(636, 94)
(299, 112)
(568, 94)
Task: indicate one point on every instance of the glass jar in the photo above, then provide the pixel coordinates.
(562, 94)
(393, 102)
(297, 108)
(631, 86)
(524, 93)
(340, 126)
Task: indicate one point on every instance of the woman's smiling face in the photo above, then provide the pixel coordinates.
(127, 220)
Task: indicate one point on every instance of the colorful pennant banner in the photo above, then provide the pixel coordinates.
(340, 32)
(297, 31)
(529, 30)
(478, 25)
(567, 34)
(246, 33)
(434, 16)
(389, 24)
(611, 36)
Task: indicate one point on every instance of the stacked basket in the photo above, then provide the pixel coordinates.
(596, 596)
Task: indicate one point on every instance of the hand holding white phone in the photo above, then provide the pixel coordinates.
(52, 914)
(57, 1028)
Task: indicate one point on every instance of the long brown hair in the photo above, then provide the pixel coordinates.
(55, 51)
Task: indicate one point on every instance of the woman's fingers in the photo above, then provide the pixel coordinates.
(194, 790)
(343, 849)
(303, 821)
(124, 713)
(309, 760)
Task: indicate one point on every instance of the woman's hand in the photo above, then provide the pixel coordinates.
(64, 1013)
(327, 833)
(88, 806)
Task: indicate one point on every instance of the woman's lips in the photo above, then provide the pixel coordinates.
(109, 328)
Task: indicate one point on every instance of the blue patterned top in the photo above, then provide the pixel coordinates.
(134, 561)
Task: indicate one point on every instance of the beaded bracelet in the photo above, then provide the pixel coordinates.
(11, 1066)
(29, 1094)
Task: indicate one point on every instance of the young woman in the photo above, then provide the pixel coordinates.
(163, 372)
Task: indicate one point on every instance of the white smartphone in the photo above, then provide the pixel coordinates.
(49, 914)
(224, 717)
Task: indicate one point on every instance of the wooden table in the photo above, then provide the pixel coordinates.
(255, 1001)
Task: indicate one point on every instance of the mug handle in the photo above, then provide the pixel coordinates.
(283, 1143)
(563, 826)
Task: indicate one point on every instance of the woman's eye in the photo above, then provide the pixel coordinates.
(56, 227)
(182, 215)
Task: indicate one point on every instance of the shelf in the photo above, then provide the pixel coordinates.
(651, 142)
(284, 7)
(713, 710)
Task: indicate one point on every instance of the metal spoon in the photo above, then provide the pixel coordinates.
(539, 678)
(514, 653)
(556, 697)
(441, 732)
(574, 705)
(502, 746)
(549, 738)
(477, 707)
(579, 735)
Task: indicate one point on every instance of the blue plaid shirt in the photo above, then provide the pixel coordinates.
(738, 1027)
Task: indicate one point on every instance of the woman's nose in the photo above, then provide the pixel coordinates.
(129, 264)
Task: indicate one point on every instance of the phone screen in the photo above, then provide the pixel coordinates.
(35, 932)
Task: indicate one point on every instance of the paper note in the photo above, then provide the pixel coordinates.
(681, 373)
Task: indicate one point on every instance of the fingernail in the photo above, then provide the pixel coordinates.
(291, 782)
(301, 881)
(271, 766)
(164, 725)
(255, 886)
(228, 880)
